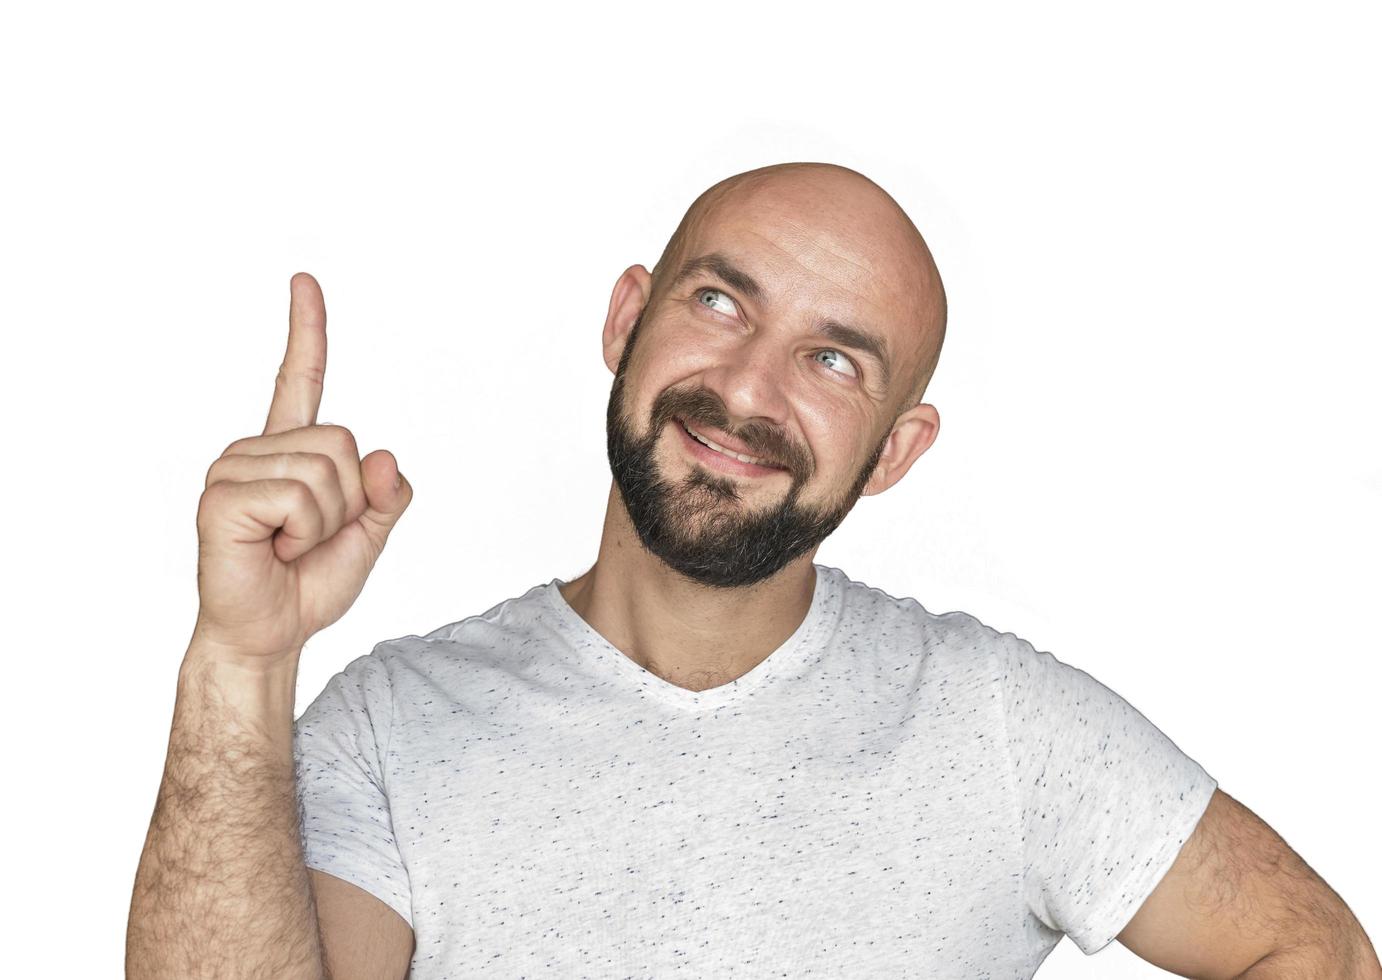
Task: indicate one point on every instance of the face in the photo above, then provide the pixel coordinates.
(705, 517)
(759, 351)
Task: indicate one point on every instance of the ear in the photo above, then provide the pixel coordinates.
(912, 434)
(631, 292)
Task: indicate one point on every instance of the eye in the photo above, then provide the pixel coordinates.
(711, 290)
(853, 371)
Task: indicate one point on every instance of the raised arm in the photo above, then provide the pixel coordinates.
(290, 524)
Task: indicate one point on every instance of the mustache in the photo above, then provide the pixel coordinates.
(763, 440)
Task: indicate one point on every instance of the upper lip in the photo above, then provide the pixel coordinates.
(720, 439)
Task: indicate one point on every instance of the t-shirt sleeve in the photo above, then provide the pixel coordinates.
(1107, 799)
(340, 748)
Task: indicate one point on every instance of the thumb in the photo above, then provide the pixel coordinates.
(387, 494)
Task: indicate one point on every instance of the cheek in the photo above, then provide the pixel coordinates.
(829, 433)
(841, 444)
(665, 354)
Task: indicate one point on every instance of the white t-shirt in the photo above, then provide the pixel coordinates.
(891, 793)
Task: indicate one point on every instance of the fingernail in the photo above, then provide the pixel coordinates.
(398, 481)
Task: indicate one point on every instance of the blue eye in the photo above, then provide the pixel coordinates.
(709, 289)
(853, 371)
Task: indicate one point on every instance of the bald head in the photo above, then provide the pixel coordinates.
(846, 213)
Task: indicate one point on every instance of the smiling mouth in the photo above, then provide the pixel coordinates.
(729, 453)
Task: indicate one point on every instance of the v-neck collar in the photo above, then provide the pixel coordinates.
(820, 618)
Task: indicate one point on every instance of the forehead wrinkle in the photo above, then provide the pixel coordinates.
(805, 239)
(810, 237)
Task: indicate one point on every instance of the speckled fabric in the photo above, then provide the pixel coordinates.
(891, 793)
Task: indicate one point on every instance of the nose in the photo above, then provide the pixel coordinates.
(751, 380)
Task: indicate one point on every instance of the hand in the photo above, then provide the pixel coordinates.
(292, 521)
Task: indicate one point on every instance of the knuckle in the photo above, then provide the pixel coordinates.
(211, 472)
(293, 495)
(323, 467)
(310, 373)
(343, 439)
(301, 493)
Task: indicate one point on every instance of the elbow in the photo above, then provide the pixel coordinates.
(1346, 956)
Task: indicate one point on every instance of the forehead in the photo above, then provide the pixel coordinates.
(809, 242)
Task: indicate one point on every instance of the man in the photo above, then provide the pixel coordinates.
(708, 754)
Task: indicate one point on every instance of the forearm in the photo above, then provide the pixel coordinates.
(222, 889)
(1349, 956)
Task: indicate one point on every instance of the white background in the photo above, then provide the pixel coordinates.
(1158, 458)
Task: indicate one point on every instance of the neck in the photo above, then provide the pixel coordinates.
(690, 635)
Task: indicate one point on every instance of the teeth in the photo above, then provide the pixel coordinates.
(721, 449)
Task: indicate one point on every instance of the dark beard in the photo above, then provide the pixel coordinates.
(697, 526)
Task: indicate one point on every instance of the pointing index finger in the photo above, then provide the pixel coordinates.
(298, 387)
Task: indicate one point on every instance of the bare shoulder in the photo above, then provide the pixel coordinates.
(361, 935)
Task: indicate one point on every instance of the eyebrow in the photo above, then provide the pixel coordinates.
(854, 338)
